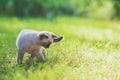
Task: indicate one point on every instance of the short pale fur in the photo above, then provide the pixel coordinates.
(29, 41)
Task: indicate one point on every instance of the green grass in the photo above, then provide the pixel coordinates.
(90, 49)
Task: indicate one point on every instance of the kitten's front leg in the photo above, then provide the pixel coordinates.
(41, 55)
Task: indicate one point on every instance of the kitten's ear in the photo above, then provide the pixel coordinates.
(57, 39)
(43, 36)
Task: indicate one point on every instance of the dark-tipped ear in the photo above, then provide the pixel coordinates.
(57, 39)
(43, 36)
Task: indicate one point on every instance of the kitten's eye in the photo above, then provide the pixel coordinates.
(46, 37)
(43, 36)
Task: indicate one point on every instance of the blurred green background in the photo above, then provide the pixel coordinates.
(90, 49)
(107, 9)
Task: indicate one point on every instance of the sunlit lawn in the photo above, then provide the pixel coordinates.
(90, 49)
